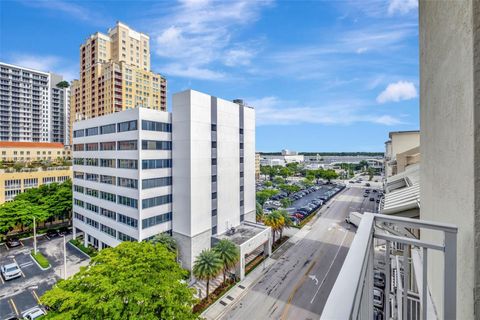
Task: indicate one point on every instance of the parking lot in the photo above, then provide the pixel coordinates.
(20, 294)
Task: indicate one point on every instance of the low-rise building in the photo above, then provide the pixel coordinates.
(404, 143)
(33, 151)
(14, 182)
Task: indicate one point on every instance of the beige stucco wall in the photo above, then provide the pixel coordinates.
(450, 139)
(404, 141)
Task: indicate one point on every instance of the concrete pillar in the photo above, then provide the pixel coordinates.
(267, 247)
(240, 268)
(85, 239)
(74, 233)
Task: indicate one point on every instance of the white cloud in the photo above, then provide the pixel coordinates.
(401, 6)
(273, 111)
(199, 33)
(192, 72)
(401, 90)
(361, 50)
(48, 63)
(69, 8)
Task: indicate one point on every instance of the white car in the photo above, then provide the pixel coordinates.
(33, 313)
(378, 299)
(11, 271)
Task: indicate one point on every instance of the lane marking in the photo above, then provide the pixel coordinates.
(36, 296)
(26, 264)
(14, 306)
(21, 271)
(299, 284)
(21, 243)
(330, 267)
(6, 246)
(1, 278)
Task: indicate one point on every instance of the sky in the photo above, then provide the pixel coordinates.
(322, 75)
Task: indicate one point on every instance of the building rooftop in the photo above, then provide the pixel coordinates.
(402, 132)
(243, 233)
(15, 144)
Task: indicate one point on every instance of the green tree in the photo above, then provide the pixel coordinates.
(287, 221)
(329, 174)
(167, 241)
(284, 172)
(278, 180)
(258, 212)
(275, 221)
(207, 266)
(264, 195)
(307, 183)
(286, 202)
(63, 84)
(135, 280)
(289, 188)
(228, 252)
(268, 183)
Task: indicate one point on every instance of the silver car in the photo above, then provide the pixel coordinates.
(34, 313)
(11, 271)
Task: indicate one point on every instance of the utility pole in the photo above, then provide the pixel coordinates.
(64, 258)
(34, 237)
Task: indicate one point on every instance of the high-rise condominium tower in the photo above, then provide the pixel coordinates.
(33, 106)
(115, 75)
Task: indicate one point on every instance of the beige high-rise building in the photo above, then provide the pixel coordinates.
(115, 75)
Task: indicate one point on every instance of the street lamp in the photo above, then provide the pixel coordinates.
(34, 237)
(64, 257)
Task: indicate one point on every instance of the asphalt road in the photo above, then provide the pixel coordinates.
(298, 284)
(20, 294)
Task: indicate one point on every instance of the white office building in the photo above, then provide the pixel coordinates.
(191, 173)
(32, 107)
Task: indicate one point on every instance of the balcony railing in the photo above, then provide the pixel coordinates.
(404, 263)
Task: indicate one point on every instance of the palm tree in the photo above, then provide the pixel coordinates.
(275, 221)
(228, 253)
(166, 240)
(259, 212)
(207, 266)
(287, 221)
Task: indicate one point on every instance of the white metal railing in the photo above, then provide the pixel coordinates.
(352, 295)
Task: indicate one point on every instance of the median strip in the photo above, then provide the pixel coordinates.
(40, 260)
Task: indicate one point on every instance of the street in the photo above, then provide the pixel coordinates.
(298, 284)
(20, 294)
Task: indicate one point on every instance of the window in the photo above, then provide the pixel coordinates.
(214, 144)
(153, 221)
(110, 231)
(126, 201)
(156, 145)
(91, 162)
(78, 175)
(107, 179)
(127, 220)
(62, 178)
(92, 177)
(241, 203)
(214, 127)
(241, 174)
(108, 196)
(214, 161)
(108, 163)
(91, 207)
(109, 214)
(156, 163)
(127, 145)
(214, 212)
(78, 161)
(128, 183)
(156, 182)
(78, 216)
(214, 195)
(124, 237)
(91, 146)
(214, 230)
(30, 183)
(156, 201)
(91, 131)
(156, 126)
(78, 202)
(78, 133)
(48, 180)
(241, 159)
(78, 147)
(241, 130)
(78, 188)
(104, 146)
(92, 222)
(13, 184)
(91, 192)
(241, 188)
(127, 164)
(109, 128)
(127, 126)
(241, 145)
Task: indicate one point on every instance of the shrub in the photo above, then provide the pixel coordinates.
(40, 258)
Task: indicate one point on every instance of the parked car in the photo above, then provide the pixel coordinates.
(351, 181)
(52, 233)
(13, 242)
(367, 184)
(34, 313)
(374, 190)
(378, 201)
(378, 281)
(377, 314)
(63, 231)
(365, 195)
(378, 298)
(11, 271)
(372, 199)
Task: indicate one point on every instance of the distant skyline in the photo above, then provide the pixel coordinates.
(322, 76)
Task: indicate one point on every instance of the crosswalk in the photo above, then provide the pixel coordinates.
(26, 264)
